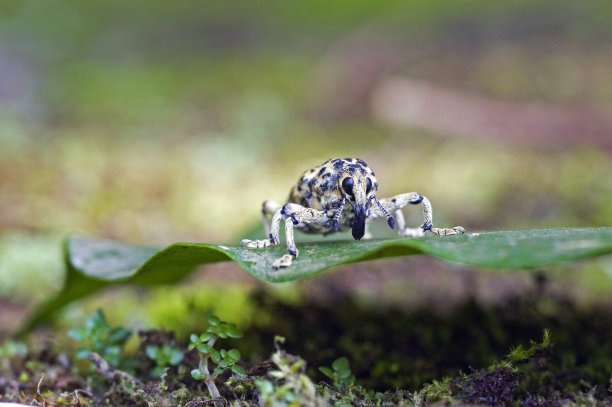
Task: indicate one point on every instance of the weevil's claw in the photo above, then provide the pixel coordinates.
(284, 261)
(457, 230)
(256, 244)
(335, 226)
(391, 222)
(427, 227)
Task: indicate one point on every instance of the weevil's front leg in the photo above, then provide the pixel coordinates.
(395, 204)
(296, 214)
(268, 208)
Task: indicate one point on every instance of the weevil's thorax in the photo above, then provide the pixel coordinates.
(322, 187)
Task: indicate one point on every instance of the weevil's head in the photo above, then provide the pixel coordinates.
(357, 185)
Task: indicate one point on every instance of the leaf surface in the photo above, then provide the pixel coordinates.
(93, 264)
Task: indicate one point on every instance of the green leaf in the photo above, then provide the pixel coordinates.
(204, 348)
(215, 356)
(233, 331)
(234, 354)
(205, 337)
(197, 374)
(213, 320)
(78, 334)
(93, 264)
(327, 372)
(157, 372)
(265, 386)
(96, 321)
(175, 357)
(194, 339)
(239, 370)
(83, 353)
(119, 335)
(152, 351)
(225, 363)
(341, 364)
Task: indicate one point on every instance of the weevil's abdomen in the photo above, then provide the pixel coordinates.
(317, 188)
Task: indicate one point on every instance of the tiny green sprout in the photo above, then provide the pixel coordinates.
(98, 336)
(288, 385)
(340, 372)
(224, 359)
(163, 356)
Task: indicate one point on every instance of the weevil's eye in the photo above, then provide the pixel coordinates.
(347, 185)
(368, 185)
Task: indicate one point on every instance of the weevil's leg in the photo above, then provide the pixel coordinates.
(274, 229)
(268, 208)
(399, 219)
(338, 214)
(457, 230)
(290, 239)
(428, 225)
(383, 211)
(406, 231)
(283, 261)
(294, 214)
(401, 226)
(396, 203)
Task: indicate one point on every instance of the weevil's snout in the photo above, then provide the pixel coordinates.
(356, 193)
(359, 222)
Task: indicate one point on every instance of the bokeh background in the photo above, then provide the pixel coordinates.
(158, 122)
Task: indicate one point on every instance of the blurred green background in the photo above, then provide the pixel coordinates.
(172, 121)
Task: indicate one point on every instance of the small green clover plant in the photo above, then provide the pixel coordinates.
(340, 372)
(224, 359)
(98, 336)
(163, 356)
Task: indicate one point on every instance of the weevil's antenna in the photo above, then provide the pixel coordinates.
(348, 198)
(390, 220)
(337, 214)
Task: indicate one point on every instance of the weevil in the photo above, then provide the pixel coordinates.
(339, 195)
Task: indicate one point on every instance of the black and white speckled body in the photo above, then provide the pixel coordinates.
(336, 196)
(320, 188)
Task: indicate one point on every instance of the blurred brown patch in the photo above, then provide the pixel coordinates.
(415, 104)
(12, 315)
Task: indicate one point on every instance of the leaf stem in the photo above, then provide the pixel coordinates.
(210, 379)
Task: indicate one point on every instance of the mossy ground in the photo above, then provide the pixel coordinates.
(400, 356)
